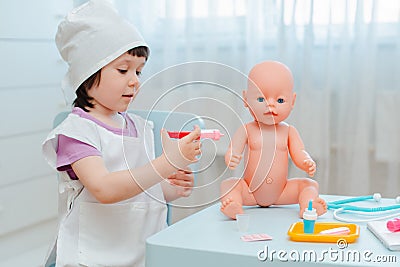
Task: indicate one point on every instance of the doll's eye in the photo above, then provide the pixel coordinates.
(281, 100)
(260, 99)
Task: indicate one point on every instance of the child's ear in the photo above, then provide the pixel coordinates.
(244, 94)
(294, 99)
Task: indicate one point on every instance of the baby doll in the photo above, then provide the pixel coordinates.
(269, 140)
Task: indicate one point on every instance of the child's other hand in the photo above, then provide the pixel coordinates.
(182, 152)
(311, 167)
(234, 161)
(183, 182)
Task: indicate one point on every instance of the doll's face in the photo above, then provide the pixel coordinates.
(269, 96)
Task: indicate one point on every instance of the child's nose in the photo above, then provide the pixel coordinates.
(134, 81)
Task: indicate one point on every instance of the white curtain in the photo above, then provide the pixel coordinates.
(344, 54)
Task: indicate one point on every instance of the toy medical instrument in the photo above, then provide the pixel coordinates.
(336, 231)
(243, 221)
(256, 237)
(309, 218)
(213, 134)
(341, 206)
(393, 225)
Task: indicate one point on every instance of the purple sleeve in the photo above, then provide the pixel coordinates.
(70, 150)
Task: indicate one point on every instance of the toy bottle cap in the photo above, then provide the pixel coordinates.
(310, 213)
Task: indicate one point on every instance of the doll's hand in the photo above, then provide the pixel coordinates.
(311, 167)
(181, 152)
(183, 182)
(234, 161)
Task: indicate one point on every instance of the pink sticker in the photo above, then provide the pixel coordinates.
(256, 237)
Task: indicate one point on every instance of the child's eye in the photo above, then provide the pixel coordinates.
(260, 99)
(138, 73)
(122, 71)
(281, 100)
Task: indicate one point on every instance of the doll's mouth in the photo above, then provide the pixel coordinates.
(270, 113)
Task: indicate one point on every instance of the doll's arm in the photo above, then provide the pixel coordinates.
(298, 153)
(234, 153)
(112, 187)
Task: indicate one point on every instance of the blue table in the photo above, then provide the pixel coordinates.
(208, 238)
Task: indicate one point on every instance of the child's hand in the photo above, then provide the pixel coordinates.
(183, 182)
(182, 152)
(311, 167)
(234, 161)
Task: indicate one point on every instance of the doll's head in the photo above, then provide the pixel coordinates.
(269, 96)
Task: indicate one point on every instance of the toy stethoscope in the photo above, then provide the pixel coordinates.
(340, 206)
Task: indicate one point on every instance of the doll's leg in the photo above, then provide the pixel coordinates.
(302, 190)
(234, 194)
(231, 197)
(309, 191)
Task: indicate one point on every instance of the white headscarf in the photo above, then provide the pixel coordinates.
(91, 36)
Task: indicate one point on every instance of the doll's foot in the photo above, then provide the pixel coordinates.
(319, 205)
(230, 208)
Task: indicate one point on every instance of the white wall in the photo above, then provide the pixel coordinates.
(30, 74)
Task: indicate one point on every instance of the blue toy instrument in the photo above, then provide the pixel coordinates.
(342, 206)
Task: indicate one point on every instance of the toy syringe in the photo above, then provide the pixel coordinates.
(213, 134)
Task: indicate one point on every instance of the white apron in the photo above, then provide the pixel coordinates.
(94, 234)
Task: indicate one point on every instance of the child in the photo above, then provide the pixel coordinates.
(270, 99)
(112, 190)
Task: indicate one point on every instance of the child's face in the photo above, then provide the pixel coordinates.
(119, 83)
(270, 104)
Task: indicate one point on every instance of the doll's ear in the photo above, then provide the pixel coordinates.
(244, 94)
(294, 99)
